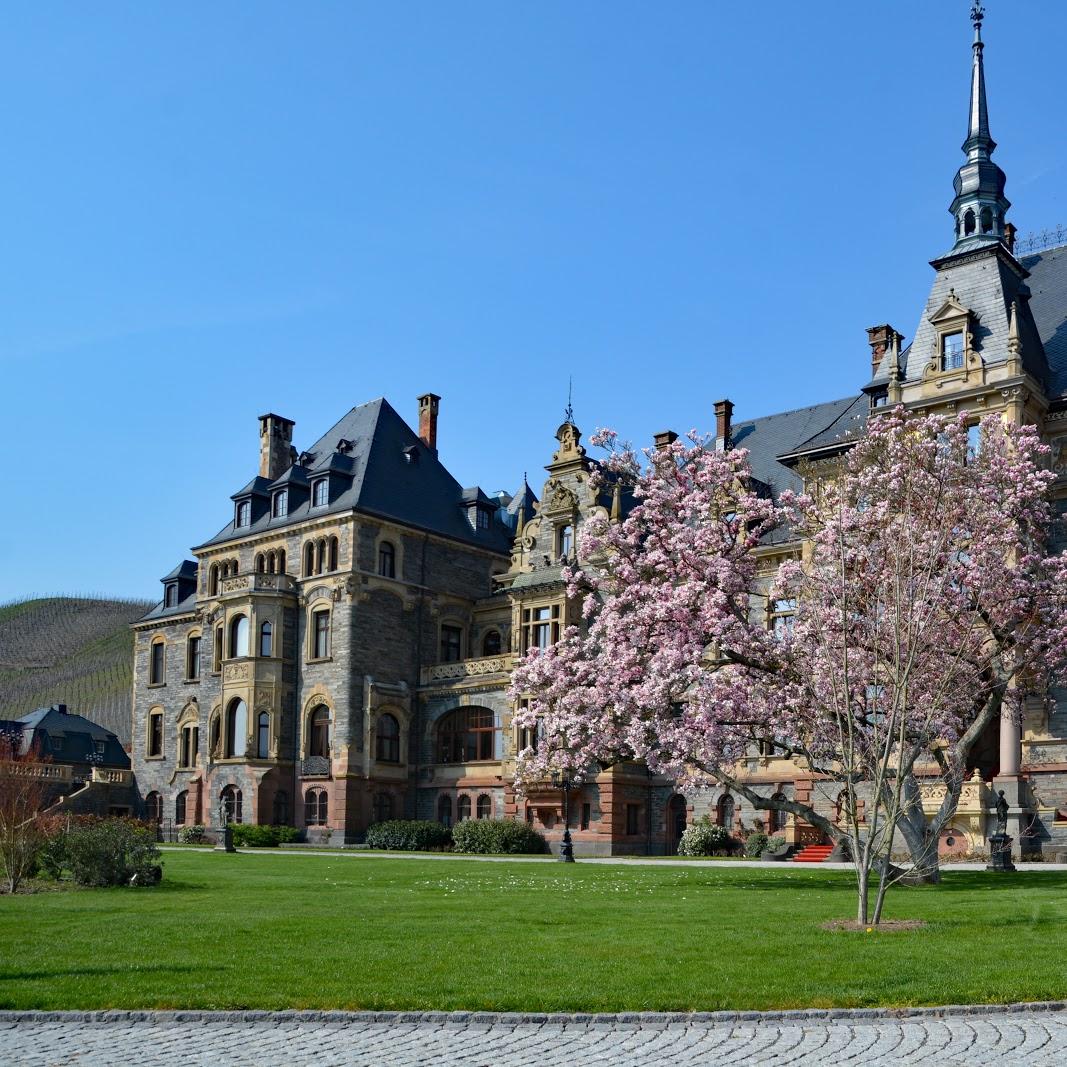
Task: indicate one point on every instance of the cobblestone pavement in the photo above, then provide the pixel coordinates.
(1022, 1034)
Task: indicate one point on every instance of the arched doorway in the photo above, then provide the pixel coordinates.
(677, 817)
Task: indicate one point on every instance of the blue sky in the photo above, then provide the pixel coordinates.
(215, 210)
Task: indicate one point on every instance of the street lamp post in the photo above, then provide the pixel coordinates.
(566, 848)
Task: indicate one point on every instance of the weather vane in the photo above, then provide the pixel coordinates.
(977, 13)
(568, 415)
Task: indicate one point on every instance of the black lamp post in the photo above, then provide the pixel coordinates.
(566, 848)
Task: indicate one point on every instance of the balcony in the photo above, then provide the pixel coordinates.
(49, 772)
(467, 668)
(113, 776)
(255, 582)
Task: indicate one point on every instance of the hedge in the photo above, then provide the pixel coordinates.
(485, 836)
(248, 835)
(408, 835)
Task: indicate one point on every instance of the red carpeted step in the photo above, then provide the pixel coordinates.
(813, 854)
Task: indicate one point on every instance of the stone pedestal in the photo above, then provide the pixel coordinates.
(1019, 810)
(1000, 854)
(224, 842)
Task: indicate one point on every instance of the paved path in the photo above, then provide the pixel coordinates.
(966, 1036)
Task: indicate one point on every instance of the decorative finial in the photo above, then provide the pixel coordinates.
(568, 414)
(977, 12)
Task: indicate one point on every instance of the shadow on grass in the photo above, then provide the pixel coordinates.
(86, 972)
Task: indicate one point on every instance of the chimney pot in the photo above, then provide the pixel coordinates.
(879, 338)
(1009, 236)
(664, 439)
(724, 410)
(429, 405)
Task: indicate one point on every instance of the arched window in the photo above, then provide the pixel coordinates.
(386, 560)
(491, 643)
(192, 658)
(319, 732)
(444, 810)
(315, 809)
(232, 804)
(466, 735)
(157, 662)
(270, 562)
(266, 640)
(383, 807)
(776, 819)
(987, 220)
(179, 807)
(213, 580)
(463, 809)
(281, 561)
(236, 728)
(388, 739)
(216, 652)
(309, 558)
(566, 540)
(153, 806)
(263, 735)
(320, 556)
(724, 812)
(485, 806)
(968, 222)
(280, 811)
(188, 744)
(261, 564)
(238, 636)
(333, 553)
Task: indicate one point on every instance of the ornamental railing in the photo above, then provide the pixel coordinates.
(51, 772)
(467, 668)
(112, 776)
(1040, 241)
(315, 767)
(254, 582)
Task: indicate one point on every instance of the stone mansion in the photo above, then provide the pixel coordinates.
(339, 653)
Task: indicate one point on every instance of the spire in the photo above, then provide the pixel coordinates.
(979, 204)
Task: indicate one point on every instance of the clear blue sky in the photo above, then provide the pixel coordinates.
(214, 210)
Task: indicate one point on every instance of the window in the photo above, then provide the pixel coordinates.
(776, 820)
(244, 513)
(481, 519)
(236, 728)
(724, 811)
(213, 580)
(952, 351)
(262, 735)
(974, 441)
(382, 806)
(451, 644)
(320, 556)
(388, 739)
(485, 806)
(261, 564)
(281, 561)
(309, 558)
(216, 659)
(565, 540)
(633, 819)
(281, 504)
(333, 552)
(540, 626)
(444, 810)
(266, 640)
(238, 636)
(587, 811)
(179, 807)
(463, 809)
(170, 595)
(783, 616)
(154, 747)
(280, 808)
(232, 804)
(153, 806)
(968, 222)
(214, 729)
(386, 560)
(320, 634)
(320, 493)
(987, 220)
(192, 658)
(467, 735)
(157, 663)
(491, 643)
(315, 809)
(188, 744)
(319, 732)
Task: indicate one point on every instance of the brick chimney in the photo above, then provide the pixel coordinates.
(275, 445)
(429, 404)
(880, 338)
(664, 439)
(724, 411)
(1009, 236)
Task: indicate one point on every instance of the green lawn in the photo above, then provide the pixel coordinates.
(274, 931)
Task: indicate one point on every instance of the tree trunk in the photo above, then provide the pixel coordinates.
(922, 844)
(863, 874)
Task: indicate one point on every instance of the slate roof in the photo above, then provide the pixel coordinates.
(389, 473)
(183, 606)
(1048, 303)
(70, 738)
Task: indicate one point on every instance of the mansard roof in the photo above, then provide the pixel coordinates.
(384, 470)
(1048, 304)
(70, 738)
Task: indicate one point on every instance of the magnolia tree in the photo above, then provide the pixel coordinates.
(922, 604)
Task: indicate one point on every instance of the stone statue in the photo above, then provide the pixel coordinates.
(1002, 814)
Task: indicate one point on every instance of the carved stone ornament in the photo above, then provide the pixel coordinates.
(236, 672)
(570, 447)
(558, 498)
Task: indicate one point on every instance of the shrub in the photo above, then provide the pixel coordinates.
(484, 836)
(249, 835)
(774, 844)
(703, 838)
(104, 852)
(192, 835)
(755, 844)
(409, 835)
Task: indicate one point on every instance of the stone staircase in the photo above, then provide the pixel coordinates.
(813, 854)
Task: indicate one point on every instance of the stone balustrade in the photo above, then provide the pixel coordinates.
(254, 582)
(113, 776)
(467, 668)
(51, 772)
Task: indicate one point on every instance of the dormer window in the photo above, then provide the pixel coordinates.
(244, 513)
(320, 493)
(170, 595)
(280, 507)
(952, 351)
(483, 519)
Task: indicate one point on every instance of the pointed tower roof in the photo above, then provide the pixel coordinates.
(979, 205)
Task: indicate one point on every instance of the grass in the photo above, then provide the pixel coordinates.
(279, 931)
